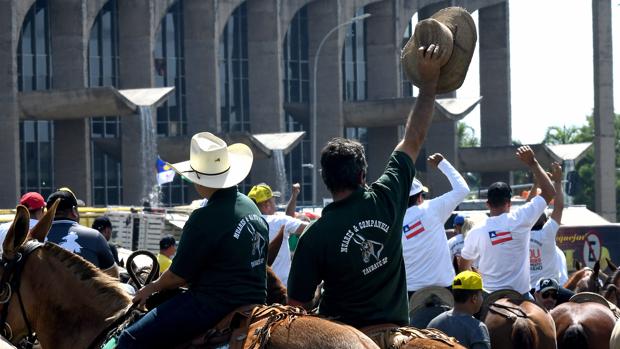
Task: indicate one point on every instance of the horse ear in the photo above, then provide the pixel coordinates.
(578, 265)
(17, 232)
(597, 267)
(611, 264)
(40, 230)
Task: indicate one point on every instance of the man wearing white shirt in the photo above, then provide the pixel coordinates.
(425, 246)
(35, 203)
(502, 242)
(455, 243)
(543, 257)
(264, 198)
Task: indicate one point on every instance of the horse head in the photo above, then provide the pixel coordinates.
(16, 325)
(586, 279)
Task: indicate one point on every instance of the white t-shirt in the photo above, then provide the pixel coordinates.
(543, 259)
(4, 229)
(562, 268)
(455, 244)
(282, 264)
(425, 246)
(502, 243)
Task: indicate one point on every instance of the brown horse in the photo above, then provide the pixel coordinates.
(80, 301)
(583, 325)
(519, 324)
(586, 279)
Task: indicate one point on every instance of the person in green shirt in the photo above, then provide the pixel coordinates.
(221, 256)
(355, 247)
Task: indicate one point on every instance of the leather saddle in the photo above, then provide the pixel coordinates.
(391, 336)
(247, 327)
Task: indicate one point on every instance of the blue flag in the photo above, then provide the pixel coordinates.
(165, 173)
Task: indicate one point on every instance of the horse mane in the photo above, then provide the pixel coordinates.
(93, 278)
(276, 291)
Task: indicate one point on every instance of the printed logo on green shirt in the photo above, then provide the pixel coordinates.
(370, 249)
(258, 241)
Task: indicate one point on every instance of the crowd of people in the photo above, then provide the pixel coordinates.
(373, 247)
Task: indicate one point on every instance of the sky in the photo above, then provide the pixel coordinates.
(551, 66)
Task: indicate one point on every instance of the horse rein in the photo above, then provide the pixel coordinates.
(11, 280)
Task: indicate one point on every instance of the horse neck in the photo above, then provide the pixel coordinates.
(572, 281)
(73, 309)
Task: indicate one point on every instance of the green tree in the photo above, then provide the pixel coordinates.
(561, 135)
(466, 135)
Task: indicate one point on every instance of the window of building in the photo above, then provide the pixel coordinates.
(170, 71)
(34, 73)
(296, 90)
(354, 82)
(103, 60)
(233, 61)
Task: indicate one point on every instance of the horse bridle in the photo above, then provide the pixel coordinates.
(10, 281)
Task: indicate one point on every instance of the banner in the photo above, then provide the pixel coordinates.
(589, 244)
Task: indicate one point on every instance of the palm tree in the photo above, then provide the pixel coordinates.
(562, 135)
(466, 135)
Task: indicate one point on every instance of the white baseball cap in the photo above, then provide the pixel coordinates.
(417, 187)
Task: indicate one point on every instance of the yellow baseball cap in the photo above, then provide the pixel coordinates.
(467, 280)
(262, 192)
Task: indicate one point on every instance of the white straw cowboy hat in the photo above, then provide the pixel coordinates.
(214, 165)
(454, 31)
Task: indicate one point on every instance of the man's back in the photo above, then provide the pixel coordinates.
(282, 264)
(425, 247)
(224, 261)
(355, 248)
(469, 331)
(85, 242)
(543, 257)
(502, 244)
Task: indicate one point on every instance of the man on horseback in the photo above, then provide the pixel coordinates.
(35, 204)
(355, 247)
(70, 235)
(502, 242)
(543, 257)
(425, 247)
(217, 257)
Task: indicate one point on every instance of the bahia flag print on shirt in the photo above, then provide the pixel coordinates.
(165, 173)
(499, 237)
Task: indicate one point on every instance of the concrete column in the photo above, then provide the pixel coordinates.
(265, 76)
(69, 38)
(495, 117)
(323, 15)
(384, 79)
(604, 130)
(137, 24)
(265, 66)
(201, 66)
(9, 115)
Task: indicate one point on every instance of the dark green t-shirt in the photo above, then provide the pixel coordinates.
(355, 248)
(223, 251)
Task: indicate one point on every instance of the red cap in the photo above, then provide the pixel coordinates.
(32, 201)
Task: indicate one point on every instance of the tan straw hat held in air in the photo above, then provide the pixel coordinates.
(212, 164)
(454, 31)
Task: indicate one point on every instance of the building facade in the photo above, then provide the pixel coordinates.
(238, 66)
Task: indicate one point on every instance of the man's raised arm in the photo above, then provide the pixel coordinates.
(420, 118)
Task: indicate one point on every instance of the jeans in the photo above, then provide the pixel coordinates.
(175, 321)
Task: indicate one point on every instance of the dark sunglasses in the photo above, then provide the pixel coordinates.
(548, 294)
